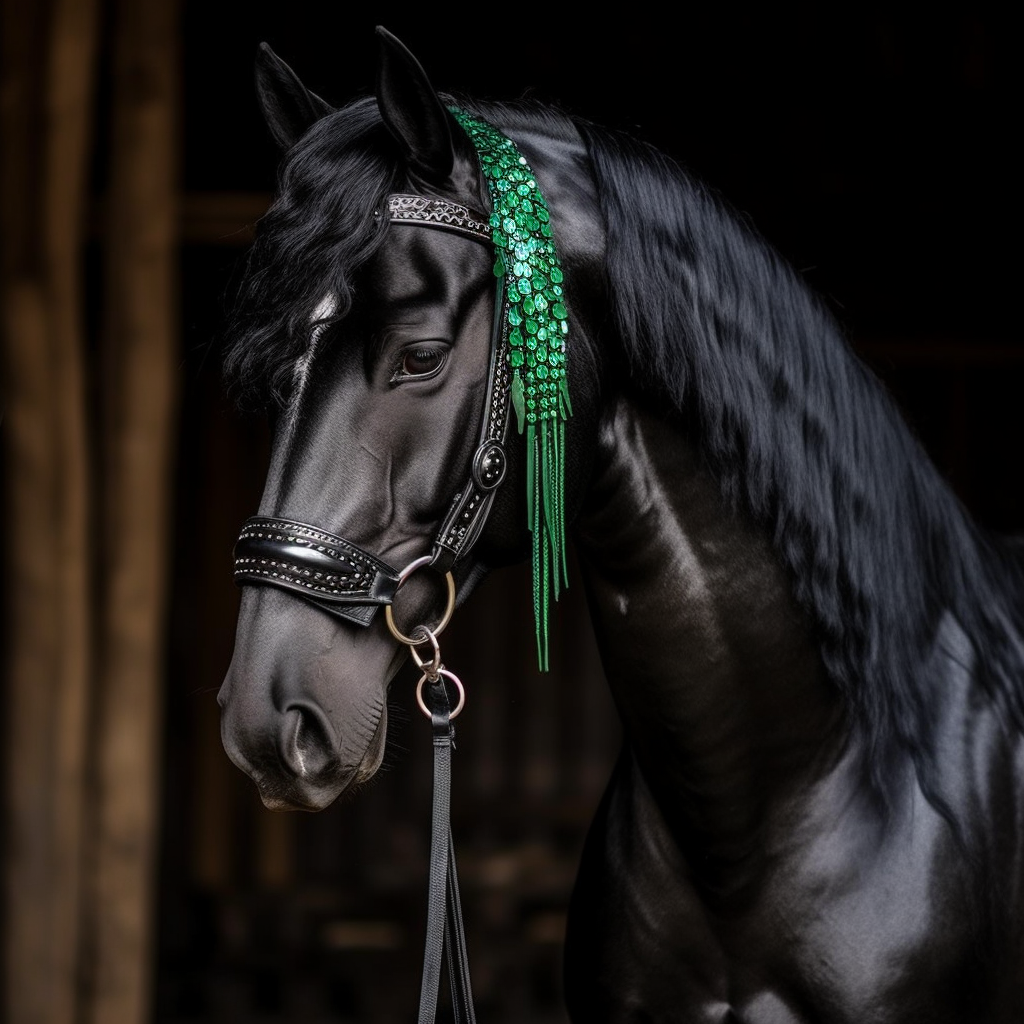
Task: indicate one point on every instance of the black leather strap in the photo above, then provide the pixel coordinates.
(428, 212)
(468, 512)
(444, 911)
(324, 569)
(455, 943)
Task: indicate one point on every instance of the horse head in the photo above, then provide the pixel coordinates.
(395, 480)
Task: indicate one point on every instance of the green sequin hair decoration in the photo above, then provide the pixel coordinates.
(538, 327)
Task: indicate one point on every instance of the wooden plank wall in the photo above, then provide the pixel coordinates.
(48, 56)
(89, 377)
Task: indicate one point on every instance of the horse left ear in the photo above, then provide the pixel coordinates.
(413, 112)
(289, 108)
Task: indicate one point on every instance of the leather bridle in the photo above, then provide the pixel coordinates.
(348, 582)
(337, 575)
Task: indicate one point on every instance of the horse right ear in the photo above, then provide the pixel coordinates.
(413, 112)
(289, 108)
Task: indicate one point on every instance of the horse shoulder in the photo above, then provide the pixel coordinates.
(856, 915)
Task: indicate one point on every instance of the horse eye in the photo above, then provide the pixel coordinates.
(419, 363)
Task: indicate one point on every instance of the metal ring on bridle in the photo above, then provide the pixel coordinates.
(458, 686)
(418, 563)
(429, 668)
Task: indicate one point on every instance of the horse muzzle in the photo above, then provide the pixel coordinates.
(303, 704)
(295, 766)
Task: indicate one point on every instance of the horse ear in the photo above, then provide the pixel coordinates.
(289, 108)
(412, 111)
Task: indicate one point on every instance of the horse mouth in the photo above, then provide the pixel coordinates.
(300, 775)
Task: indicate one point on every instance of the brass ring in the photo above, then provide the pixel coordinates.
(458, 686)
(445, 618)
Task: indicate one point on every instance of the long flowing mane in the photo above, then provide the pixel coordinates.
(715, 326)
(803, 436)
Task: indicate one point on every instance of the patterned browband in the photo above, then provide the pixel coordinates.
(438, 213)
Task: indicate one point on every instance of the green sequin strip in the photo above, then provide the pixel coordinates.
(537, 328)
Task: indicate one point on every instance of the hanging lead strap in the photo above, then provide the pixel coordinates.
(455, 941)
(445, 932)
(439, 836)
(444, 911)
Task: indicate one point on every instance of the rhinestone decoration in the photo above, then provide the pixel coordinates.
(356, 571)
(406, 209)
(537, 327)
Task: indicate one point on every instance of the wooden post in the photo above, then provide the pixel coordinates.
(48, 61)
(138, 387)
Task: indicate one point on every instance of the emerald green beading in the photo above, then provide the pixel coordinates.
(538, 328)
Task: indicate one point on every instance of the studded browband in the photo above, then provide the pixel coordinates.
(337, 575)
(439, 213)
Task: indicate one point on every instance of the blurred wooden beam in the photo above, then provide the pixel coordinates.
(138, 387)
(48, 63)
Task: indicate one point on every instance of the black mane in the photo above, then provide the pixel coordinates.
(803, 436)
(319, 230)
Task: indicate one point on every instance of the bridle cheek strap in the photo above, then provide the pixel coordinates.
(470, 507)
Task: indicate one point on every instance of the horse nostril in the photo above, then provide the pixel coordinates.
(307, 741)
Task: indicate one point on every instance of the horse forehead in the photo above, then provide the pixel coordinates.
(419, 264)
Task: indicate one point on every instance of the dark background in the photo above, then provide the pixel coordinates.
(876, 152)
(873, 150)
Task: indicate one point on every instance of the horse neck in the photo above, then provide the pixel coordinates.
(721, 690)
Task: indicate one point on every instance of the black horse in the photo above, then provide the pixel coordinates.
(817, 656)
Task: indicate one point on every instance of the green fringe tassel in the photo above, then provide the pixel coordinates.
(545, 517)
(537, 329)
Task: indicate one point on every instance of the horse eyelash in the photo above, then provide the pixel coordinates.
(399, 376)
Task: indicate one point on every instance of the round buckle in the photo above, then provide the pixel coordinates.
(489, 465)
(412, 641)
(458, 686)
